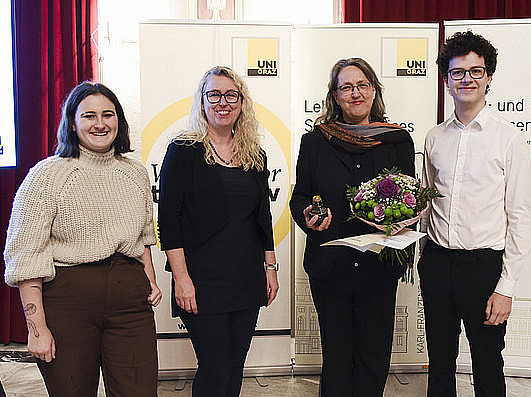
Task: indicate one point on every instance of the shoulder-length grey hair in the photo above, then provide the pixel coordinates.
(247, 151)
(332, 111)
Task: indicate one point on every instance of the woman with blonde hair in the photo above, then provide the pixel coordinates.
(216, 229)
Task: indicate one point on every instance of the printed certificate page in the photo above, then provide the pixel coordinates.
(376, 241)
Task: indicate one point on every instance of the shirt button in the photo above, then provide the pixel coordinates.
(358, 166)
(356, 264)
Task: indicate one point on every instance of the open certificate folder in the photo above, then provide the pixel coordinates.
(376, 241)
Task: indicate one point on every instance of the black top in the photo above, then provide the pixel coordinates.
(326, 169)
(220, 216)
(235, 279)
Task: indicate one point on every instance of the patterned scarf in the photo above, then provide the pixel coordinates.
(359, 138)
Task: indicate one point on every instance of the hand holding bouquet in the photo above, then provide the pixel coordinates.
(390, 202)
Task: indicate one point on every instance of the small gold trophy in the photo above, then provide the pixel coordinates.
(318, 209)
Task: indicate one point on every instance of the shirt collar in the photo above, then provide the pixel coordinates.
(479, 123)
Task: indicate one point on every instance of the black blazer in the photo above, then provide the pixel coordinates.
(325, 169)
(192, 201)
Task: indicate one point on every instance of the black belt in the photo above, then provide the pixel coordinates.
(459, 252)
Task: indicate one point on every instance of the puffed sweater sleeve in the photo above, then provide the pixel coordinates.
(171, 197)
(28, 251)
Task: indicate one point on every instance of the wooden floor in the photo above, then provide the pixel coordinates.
(20, 377)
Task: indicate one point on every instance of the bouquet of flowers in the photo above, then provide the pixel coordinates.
(390, 202)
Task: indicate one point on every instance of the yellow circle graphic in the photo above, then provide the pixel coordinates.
(177, 110)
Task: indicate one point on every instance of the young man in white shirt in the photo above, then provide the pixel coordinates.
(478, 233)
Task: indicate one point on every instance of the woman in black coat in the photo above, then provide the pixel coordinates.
(353, 292)
(215, 228)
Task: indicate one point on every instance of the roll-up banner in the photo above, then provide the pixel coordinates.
(403, 56)
(510, 97)
(174, 55)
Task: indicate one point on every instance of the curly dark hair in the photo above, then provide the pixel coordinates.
(463, 43)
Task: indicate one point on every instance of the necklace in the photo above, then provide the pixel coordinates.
(218, 156)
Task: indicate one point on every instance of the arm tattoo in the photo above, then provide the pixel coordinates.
(30, 309)
(33, 328)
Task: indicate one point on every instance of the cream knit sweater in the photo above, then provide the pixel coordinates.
(69, 211)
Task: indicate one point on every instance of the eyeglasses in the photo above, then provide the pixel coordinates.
(215, 96)
(348, 89)
(476, 73)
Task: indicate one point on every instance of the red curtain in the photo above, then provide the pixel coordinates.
(55, 49)
(433, 11)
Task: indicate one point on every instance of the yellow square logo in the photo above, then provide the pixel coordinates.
(262, 57)
(405, 57)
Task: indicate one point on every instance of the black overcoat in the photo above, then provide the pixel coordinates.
(325, 169)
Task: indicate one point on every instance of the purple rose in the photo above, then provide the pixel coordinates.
(387, 188)
(359, 196)
(379, 212)
(410, 200)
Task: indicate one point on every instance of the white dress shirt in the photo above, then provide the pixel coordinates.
(483, 170)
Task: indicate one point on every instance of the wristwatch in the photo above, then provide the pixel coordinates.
(271, 266)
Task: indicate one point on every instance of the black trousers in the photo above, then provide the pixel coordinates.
(99, 316)
(221, 342)
(455, 286)
(356, 338)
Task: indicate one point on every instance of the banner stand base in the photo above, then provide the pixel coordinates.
(316, 370)
(248, 372)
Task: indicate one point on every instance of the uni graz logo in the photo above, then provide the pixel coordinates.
(414, 67)
(262, 57)
(404, 57)
(265, 68)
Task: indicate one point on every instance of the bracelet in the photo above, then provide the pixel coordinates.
(271, 266)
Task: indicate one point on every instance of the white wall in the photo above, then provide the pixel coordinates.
(119, 52)
(293, 11)
(118, 38)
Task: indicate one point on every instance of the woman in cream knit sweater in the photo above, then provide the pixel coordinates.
(78, 249)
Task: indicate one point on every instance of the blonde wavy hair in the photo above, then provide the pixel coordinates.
(246, 141)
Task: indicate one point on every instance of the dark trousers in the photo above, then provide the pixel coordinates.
(221, 342)
(456, 285)
(356, 339)
(100, 318)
